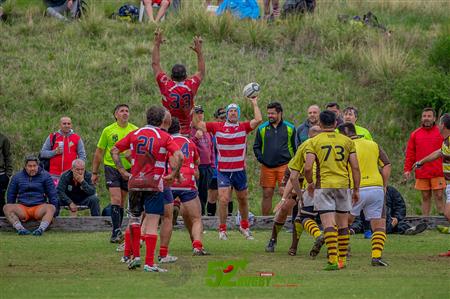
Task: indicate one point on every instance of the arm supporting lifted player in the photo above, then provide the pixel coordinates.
(156, 58)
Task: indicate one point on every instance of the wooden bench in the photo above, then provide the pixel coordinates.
(74, 214)
(100, 223)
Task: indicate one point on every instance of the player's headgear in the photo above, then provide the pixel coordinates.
(178, 72)
(234, 106)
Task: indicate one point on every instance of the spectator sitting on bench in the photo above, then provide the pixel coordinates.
(163, 6)
(27, 198)
(75, 188)
(395, 216)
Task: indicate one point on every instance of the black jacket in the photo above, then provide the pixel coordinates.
(68, 191)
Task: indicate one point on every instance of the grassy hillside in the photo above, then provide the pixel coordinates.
(83, 69)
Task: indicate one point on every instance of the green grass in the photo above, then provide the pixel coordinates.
(85, 265)
(83, 69)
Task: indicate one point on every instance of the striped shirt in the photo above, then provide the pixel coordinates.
(446, 158)
(149, 148)
(191, 157)
(231, 140)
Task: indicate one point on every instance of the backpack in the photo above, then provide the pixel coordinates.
(127, 12)
(44, 163)
(298, 6)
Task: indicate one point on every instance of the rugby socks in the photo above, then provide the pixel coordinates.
(115, 218)
(43, 225)
(378, 239)
(230, 208)
(244, 224)
(343, 242)
(127, 246)
(312, 228)
(150, 243)
(330, 237)
(211, 208)
(135, 240)
(18, 226)
(277, 226)
(121, 210)
(197, 244)
(163, 251)
(222, 227)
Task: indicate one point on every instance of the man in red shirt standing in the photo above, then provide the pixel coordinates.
(178, 91)
(231, 139)
(429, 178)
(149, 149)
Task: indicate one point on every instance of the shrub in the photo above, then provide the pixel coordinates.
(440, 53)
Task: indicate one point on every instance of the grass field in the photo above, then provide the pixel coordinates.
(83, 69)
(69, 265)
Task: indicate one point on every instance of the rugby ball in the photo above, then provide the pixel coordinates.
(251, 90)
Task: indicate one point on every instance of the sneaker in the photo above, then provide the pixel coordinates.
(117, 237)
(271, 245)
(223, 235)
(331, 267)
(23, 232)
(134, 263)
(246, 233)
(121, 247)
(167, 259)
(176, 212)
(367, 234)
(200, 252)
(153, 268)
(445, 254)
(318, 243)
(443, 229)
(379, 262)
(419, 228)
(125, 259)
(38, 232)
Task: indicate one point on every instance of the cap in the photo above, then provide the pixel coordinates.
(198, 109)
(220, 113)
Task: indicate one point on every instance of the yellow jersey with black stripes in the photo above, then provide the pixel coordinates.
(332, 151)
(298, 162)
(446, 158)
(370, 158)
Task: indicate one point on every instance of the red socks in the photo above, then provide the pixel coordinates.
(135, 240)
(222, 227)
(150, 243)
(197, 244)
(244, 224)
(127, 252)
(163, 251)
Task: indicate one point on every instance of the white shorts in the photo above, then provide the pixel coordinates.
(447, 190)
(329, 199)
(307, 200)
(371, 202)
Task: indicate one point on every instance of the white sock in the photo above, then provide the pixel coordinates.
(18, 226)
(44, 225)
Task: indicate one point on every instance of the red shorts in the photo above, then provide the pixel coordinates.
(158, 2)
(30, 212)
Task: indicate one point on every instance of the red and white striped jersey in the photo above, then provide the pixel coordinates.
(231, 142)
(191, 159)
(149, 147)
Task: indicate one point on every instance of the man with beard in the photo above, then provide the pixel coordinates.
(429, 178)
(274, 147)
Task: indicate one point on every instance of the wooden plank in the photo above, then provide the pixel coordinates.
(92, 224)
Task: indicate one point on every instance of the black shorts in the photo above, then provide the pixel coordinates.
(307, 213)
(114, 179)
(213, 184)
(149, 201)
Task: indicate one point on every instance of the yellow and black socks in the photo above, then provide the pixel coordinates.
(378, 240)
(312, 228)
(330, 236)
(343, 242)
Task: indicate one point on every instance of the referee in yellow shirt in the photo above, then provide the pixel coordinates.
(332, 153)
(371, 159)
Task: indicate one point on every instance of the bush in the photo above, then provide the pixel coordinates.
(440, 53)
(424, 88)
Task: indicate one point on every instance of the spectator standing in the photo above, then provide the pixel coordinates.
(274, 147)
(62, 147)
(430, 178)
(31, 196)
(303, 130)
(75, 188)
(6, 168)
(205, 147)
(351, 116)
(334, 107)
(116, 184)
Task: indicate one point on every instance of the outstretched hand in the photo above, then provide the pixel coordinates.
(159, 36)
(197, 48)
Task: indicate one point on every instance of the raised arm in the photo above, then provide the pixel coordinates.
(257, 118)
(197, 48)
(156, 62)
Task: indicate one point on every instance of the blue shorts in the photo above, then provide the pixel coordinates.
(149, 201)
(236, 179)
(185, 195)
(167, 196)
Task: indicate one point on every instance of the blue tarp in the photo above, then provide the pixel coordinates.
(240, 8)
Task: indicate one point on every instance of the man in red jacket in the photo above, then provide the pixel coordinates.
(429, 178)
